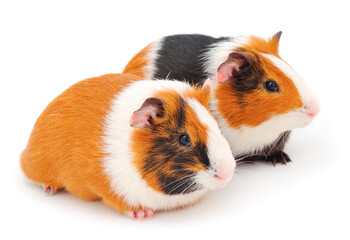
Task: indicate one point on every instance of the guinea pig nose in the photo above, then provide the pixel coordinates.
(219, 177)
(223, 174)
(312, 110)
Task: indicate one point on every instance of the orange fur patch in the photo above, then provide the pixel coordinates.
(258, 105)
(202, 95)
(257, 44)
(65, 146)
(137, 65)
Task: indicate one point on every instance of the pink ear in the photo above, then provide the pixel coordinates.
(151, 109)
(232, 67)
(225, 71)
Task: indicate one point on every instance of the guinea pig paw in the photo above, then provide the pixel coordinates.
(279, 157)
(141, 214)
(50, 190)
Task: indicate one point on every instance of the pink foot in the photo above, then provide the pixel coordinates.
(48, 189)
(141, 214)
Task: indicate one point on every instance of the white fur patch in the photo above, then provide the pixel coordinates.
(152, 56)
(218, 54)
(248, 139)
(124, 177)
(218, 148)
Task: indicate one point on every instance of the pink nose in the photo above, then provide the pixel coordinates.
(223, 174)
(312, 110)
(219, 177)
(311, 114)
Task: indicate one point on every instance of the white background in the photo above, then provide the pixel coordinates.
(45, 47)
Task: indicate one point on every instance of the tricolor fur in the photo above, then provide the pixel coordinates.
(253, 119)
(99, 140)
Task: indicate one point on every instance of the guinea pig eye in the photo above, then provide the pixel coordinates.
(271, 86)
(184, 139)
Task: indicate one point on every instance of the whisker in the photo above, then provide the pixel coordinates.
(180, 184)
(255, 162)
(191, 185)
(247, 156)
(178, 180)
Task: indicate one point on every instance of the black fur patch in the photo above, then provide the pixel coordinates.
(249, 78)
(202, 152)
(181, 116)
(179, 57)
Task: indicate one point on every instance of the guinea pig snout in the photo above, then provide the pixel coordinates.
(312, 109)
(311, 106)
(217, 176)
(223, 174)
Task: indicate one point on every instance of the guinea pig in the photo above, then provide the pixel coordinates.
(140, 146)
(257, 97)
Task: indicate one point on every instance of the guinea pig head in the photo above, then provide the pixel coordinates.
(178, 146)
(256, 87)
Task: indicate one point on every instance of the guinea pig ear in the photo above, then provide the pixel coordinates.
(233, 66)
(151, 109)
(208, 84)
(207, 89)
(274, 42)
(276, 37)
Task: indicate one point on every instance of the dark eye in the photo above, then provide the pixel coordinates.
(184, 139)
(271, 86)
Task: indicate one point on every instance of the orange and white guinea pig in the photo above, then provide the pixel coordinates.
(257, 97)
(140, 146)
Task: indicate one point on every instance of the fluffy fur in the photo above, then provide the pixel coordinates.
(254, 120)
(84, 142)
